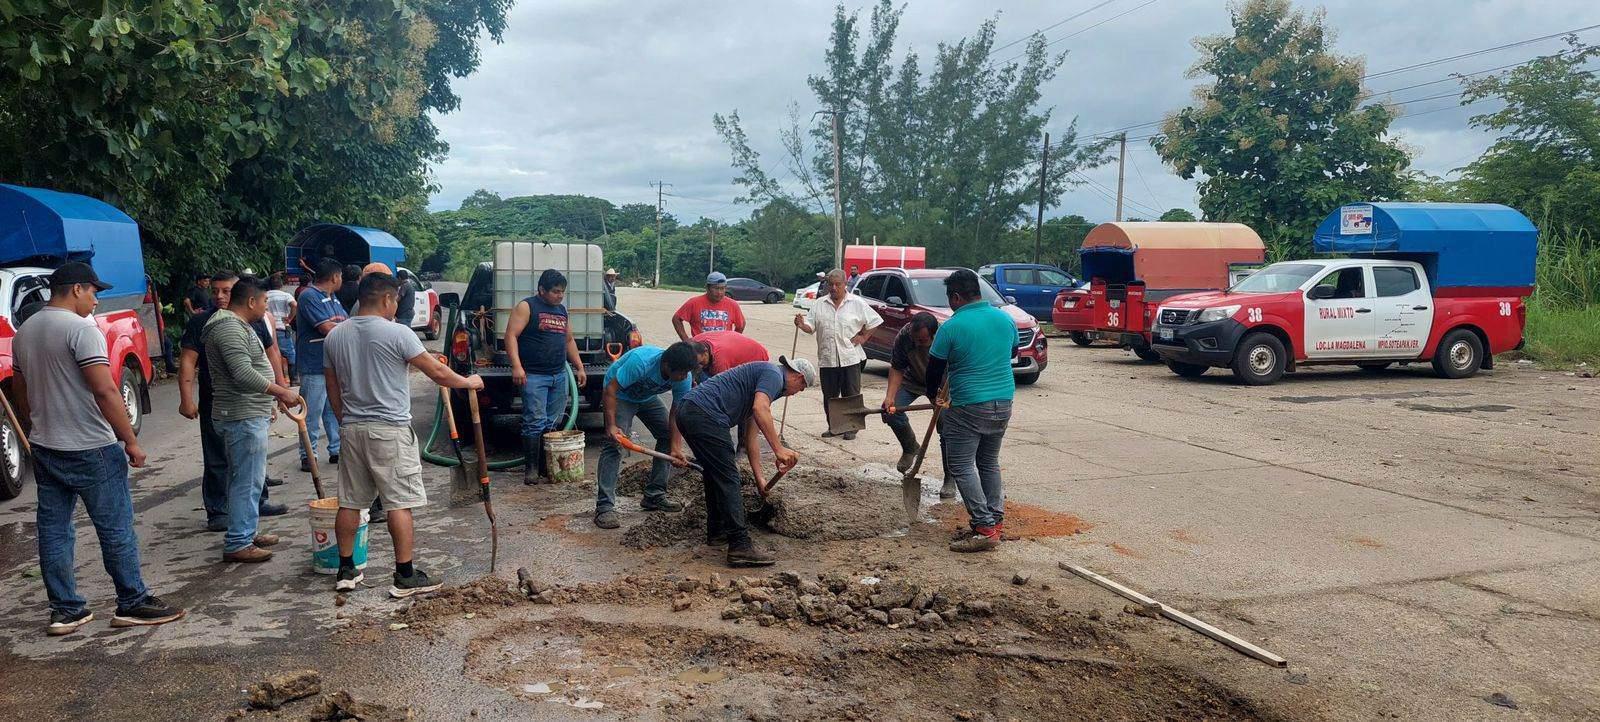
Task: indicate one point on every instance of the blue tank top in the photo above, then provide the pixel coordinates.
(542, 345)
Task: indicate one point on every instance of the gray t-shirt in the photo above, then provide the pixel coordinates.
(371, 356)
(52, 349)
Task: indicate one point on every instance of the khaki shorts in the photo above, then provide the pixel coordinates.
(379, 460)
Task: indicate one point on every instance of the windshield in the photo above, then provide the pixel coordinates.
(1277, 278)
(930, 292)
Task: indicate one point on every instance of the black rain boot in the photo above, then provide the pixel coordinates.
(533, 458)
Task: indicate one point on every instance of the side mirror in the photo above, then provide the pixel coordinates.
(1321, 293)
(895, 301)
(1011, 300)
(450, 300)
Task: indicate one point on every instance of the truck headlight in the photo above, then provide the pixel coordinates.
(1217, 314)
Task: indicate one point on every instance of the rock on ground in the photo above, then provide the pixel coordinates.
(277, 690)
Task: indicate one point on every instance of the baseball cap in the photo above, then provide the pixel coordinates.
(375, 267)
(716, 279)
(77, 272)
(801, 366)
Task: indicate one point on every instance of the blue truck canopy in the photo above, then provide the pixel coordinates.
(357, 245)
(47, 228)
(1480, 245)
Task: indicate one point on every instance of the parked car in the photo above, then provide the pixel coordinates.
(425, 314)
(749, 289)
(1034, 286)
(1073, 314)
(897, 294)
(807, 295)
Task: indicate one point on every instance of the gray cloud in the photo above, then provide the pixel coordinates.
(603, 97)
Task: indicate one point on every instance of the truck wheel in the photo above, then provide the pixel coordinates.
(774, 297)
(13, 463)
(1459, 355)
(1374, 368)
(1260, 360)
(1146, 354)
(1186, 370)
(1027, 379)
(432, 332)
(130, 396)
(1081, 338)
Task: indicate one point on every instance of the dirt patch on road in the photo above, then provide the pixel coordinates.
(809, 503)
(1023, 521)
(484, 594)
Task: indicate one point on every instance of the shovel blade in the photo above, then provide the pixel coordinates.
(911, 497)
(846, 414)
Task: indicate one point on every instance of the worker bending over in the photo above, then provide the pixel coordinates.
(633, 387)
(719, 351)
(908, 379)
(740, 398)
(972, 352)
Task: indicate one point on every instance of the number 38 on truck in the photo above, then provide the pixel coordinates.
(1444, 283)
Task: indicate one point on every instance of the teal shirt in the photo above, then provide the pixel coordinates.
(976, 345)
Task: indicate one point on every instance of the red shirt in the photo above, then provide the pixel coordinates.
(702, 315)
(730, 349)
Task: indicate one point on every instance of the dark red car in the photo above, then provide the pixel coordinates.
(897, 294)
(1073, 314)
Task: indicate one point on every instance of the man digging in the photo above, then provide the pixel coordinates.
(367, 360)
(908, 379)
(741, 398)
(633, 386)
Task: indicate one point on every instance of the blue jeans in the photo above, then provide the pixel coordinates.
(319, 413)
(286, 346)
(900, 425)
(214, 461)
(970, 438)
(544, 397)
(247, 475)
(100, 478)
(654, 415)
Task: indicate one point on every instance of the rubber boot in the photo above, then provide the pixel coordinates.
(533, 458)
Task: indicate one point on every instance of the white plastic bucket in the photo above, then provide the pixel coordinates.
(324, 545)
(563, 455)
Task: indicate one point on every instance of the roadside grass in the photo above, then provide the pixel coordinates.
(1563, 337)
(1564, 313)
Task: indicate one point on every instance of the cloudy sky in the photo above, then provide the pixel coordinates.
(602, 97)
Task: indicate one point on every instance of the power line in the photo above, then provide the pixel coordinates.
(1047, 28)
(1108, 194)
(1069, 36)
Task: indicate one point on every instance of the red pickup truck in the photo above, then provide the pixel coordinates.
(40, 227)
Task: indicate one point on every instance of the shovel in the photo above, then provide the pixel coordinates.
(849, 413)
(459, 474)
(305, 444)
(910, 488)
(631, 445)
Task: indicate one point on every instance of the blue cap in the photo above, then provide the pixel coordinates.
(716, 279)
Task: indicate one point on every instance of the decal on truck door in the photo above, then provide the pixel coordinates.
(1340, 326)
(1404, 312)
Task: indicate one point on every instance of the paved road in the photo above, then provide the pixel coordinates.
(1411, 544)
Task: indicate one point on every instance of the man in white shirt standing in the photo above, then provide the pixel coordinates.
(841, 321)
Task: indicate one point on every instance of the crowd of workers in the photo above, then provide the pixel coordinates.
(250, 340)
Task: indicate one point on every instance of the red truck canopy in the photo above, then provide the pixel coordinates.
(866, 258)
(1169, 256)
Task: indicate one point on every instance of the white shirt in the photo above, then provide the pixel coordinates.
(278, 303)
(836, 325)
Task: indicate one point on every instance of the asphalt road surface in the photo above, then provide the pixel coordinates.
(1413, 545)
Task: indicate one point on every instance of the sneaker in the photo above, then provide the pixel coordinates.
(748, 555)
(979, 540)
(379, 519)
(248, 555)
(266, 540)
(333, 458)
(662, 504)
(218, 524)
(149, 613)
(907, 459)
(849, 436)
(717, 540)
(607, 520)
(417, 583)
(271, 509)
(948, 491)
(305, 466)
(63, 623)
(349, 578)
(275, 481)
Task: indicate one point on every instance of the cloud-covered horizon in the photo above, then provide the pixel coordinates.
(603, 97)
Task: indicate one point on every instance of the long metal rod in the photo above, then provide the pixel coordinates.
(1238, 644)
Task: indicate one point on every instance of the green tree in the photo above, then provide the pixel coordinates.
(1280, 136)
(1182, 215)
(945, 158)
(781, 243)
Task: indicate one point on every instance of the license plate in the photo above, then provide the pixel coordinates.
(1164, 333)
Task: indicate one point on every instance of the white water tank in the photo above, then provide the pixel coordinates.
(518, 265)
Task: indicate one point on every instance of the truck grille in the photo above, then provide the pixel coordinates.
(1024, 337)
(1174, 316)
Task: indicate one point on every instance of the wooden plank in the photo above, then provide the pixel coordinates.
(1187, 620)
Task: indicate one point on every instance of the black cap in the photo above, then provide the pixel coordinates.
(77, 272)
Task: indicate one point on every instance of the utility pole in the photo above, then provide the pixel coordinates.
(660, 191)
(1122, 169)
(838, 205)
(604, 234)
(711, 260)
(1044, 172)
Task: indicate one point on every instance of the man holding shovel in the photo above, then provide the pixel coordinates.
(973, 349)
(908, 379)
(366, 362)
(633, 387)
(741, 398)
(842, 321)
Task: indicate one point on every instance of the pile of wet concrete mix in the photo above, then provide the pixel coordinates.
(818, 504)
